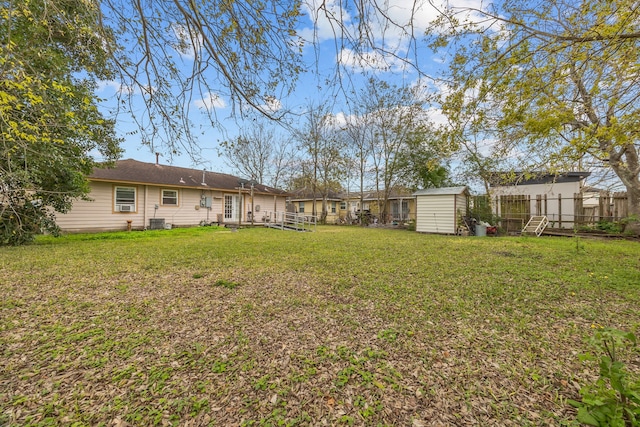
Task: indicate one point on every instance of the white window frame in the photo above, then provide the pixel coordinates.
(343, 206)
(162, 197)
(300, 207)
(231, 207)
(120, 201)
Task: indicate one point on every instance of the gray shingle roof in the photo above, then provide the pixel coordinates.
(133, 171)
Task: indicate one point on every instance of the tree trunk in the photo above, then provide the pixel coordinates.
(625, 164)
(633, 201)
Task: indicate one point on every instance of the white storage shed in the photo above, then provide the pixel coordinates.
(439, 210)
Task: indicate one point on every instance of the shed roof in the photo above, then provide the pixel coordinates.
(135, 172)
(443, 191)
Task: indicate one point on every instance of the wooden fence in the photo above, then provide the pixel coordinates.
(514, 211)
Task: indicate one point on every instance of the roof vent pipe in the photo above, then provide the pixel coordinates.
(157, 159)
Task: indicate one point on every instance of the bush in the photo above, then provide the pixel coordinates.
(609, 227)
(20, 223)
(614, 399)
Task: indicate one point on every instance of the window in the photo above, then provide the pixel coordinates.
(301, 207)
(405, 209)
(343, 206)
(170, 197)
(333, 207)
(125, 199)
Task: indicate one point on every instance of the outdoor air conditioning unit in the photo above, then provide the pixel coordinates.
(124, 208)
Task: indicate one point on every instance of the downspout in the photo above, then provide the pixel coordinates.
(253, 214)
(240, 204)
(144, 207)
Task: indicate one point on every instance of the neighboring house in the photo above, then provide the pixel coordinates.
(400, 205)
(440, 210)
(301, 201)
(150, 195)
(518, 196)
(349, 205)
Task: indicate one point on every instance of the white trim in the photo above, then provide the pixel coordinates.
(125, 205)
(162, 197)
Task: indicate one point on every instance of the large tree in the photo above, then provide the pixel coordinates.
(176, 52)
(357, 151)
(398, 131)
(50, 127)
(322, 153)
(259, 154)
(422, 162)
(162, 56)
(548, 83)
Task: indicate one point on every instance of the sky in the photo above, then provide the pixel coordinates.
(321, 53)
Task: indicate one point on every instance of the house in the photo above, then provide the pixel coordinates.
(301, 202)
(517, 196)
(400, 205)
(150, 195)
(440, 210)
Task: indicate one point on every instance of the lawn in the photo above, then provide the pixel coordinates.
(343, 326)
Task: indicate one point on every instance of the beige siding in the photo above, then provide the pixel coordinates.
(99, 214)
(270, 203)
(263, 204)
(461, 207)
(436, 213)
(189, 212)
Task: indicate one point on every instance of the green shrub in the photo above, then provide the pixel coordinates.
(614, 399)
(609, 227)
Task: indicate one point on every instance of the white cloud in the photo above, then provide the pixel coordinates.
(121, 88)
(186, 43)
(104, 85)
(341, 119)
(392, 26)
(209, 101)
(327, 16)
(437, 117)
(271, 104)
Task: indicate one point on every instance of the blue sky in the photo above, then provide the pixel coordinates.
(320, 55)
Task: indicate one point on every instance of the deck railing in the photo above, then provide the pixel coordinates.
(290, 220)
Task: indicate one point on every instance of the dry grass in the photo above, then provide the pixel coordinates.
(345, 326)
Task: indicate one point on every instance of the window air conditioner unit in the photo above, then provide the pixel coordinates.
(125, 208)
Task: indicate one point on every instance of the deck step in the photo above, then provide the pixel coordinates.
(536, 225)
